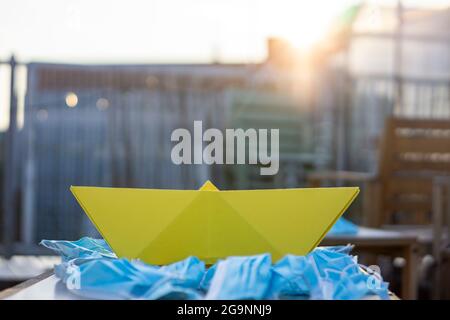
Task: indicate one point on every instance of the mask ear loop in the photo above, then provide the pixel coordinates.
(370, 271)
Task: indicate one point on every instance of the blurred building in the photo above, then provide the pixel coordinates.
(397, 62)
(421, 35)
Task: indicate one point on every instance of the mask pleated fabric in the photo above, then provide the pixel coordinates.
(90, 269)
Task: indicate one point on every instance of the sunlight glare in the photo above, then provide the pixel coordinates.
(303, 23)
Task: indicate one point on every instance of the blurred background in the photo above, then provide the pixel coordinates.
(360, 90)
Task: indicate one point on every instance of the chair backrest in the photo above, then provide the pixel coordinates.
(267, 110)
(413, 152)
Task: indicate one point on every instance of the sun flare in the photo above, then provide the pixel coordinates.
(303, 24)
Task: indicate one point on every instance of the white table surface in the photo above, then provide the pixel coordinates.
(50, 288)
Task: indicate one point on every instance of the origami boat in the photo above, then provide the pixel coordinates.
(164, 226)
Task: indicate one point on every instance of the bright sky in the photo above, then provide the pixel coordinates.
(160, 30)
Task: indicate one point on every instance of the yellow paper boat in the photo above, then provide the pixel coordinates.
(164, 226)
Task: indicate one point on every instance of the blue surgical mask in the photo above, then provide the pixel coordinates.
(89, 268)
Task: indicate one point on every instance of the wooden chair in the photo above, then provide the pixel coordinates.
(441, 237)
(412, 153)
